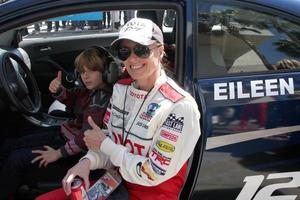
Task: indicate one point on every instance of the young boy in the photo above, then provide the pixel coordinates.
(33, 153)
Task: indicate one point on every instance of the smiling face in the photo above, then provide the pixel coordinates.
(91, 79)
(144, 70)
(90, 64)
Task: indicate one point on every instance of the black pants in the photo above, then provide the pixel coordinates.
(16, 156)
(120, 193)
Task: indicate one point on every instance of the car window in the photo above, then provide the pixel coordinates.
(238, 40)
(80, 23)
(101, 24)
(95, 22)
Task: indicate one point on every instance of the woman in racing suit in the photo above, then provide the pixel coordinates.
(153, 124)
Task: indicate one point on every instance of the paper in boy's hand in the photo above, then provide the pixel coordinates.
(103, 187)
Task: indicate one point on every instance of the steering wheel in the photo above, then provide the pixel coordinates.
(19, 84)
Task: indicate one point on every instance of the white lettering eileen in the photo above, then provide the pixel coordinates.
(258, 88)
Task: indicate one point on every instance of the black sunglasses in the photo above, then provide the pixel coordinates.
(141, 51)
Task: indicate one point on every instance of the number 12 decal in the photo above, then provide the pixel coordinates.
(252, 184)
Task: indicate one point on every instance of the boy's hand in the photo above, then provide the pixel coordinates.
(55, 83)
(93, 137)
(46, 156)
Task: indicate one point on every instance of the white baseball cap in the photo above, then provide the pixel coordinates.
(139, 30)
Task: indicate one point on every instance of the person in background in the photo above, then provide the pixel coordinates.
(128, 15)
(106, 19)
(36, 152)
(153, 124)
(37, 28)
(115, 18)
(78, 25)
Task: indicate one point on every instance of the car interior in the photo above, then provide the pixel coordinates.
(30, 60)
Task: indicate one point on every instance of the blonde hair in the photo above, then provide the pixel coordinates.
(92, 59)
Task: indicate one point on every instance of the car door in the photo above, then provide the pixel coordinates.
(247, 78)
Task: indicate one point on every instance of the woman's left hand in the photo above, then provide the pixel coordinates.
(94, 137)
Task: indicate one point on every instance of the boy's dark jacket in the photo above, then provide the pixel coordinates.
(83, 103)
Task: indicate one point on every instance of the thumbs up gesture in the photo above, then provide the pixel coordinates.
(55, 83)
(94, 137)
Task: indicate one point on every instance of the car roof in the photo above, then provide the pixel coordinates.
(289, 6)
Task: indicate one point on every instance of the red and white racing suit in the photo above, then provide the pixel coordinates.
(161, 129)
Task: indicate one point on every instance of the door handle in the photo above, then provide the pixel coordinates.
(45, 48)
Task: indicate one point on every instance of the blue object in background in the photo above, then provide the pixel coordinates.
(90, 16)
